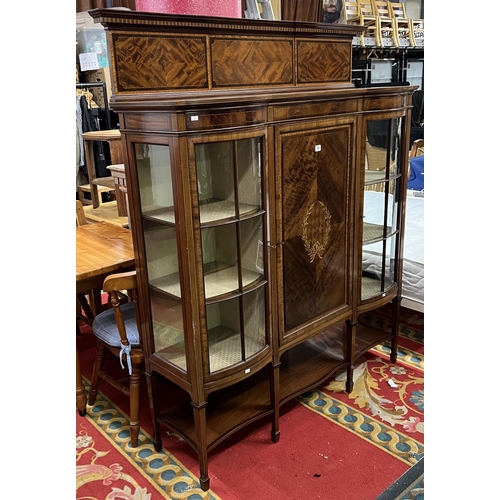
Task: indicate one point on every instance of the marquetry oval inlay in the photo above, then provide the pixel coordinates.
(316, 228)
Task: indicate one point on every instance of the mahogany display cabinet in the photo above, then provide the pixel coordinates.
(267, 198)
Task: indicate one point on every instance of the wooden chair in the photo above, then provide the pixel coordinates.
(117, 333)
(388, 26)
(417, 32)
(361, 12)
(417, 148)
(103, 184)
(80, 214)
(87, 188)
(81, 299)
(403, 24)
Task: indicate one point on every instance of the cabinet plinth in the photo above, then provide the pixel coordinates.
(267, 211)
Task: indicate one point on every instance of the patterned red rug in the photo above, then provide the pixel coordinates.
(333, 444)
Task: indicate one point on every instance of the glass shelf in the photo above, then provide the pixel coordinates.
(374, 176)
(214, 211)
(374, 232)
(160, 214)
(223, 210)
(169, 284)
(223, 279)
(370, 287)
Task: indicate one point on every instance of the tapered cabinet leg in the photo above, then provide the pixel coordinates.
(351, 345)
(396, 312)
(274, 373)
(200, 421)
(152, 384)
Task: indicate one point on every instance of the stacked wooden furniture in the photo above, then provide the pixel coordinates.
(362, 13)
(386, 24)
(403, 24)
(246, 177)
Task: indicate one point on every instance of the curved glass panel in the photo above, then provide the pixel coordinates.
(217, 166)
(161, 257)
(220, 260)
(389, 262)
(380, 209)
(229, 180)
(155, 181)
(168, 329)
(236, 329)
(249, 166)
(215, 176)
(252, 250)
(160, 241)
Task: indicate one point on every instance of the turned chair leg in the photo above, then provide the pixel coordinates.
(98, 364)
(81, 398)
(135, 385)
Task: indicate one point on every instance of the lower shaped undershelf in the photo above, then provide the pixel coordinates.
(302, 368)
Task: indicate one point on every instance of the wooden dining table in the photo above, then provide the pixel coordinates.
(101, 249)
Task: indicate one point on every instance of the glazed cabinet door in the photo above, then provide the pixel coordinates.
(227, 178)
(159, 237)
(314, 178)
(381, 185)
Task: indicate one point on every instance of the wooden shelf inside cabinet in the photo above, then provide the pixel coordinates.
(223, 210)
(374, 232)
(224, 280)
(217, 283)
(228, 410)
(169, 284)
(309, 364)
(159, 214)
(209, 213)
(368, 337)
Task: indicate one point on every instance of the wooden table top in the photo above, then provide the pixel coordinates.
(107, 212)
(102, 248)
(101, 135)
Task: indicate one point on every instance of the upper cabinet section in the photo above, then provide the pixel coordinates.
(172, 53)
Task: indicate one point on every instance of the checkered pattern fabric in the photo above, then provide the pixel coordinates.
(105, 328)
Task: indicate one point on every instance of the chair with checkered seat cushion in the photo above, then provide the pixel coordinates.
(116, 331)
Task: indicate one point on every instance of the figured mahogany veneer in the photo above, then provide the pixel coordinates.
(182, 53)
(260, 115)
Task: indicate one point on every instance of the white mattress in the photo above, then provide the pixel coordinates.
(413, 253)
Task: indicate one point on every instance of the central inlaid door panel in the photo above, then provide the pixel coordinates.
(314, 251)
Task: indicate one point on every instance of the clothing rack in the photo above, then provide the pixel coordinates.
(105, 95)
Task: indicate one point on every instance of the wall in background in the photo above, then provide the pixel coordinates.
(222, 8)
(414, 9)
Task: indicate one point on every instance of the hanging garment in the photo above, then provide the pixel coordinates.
(79, 131)
(101, 155)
